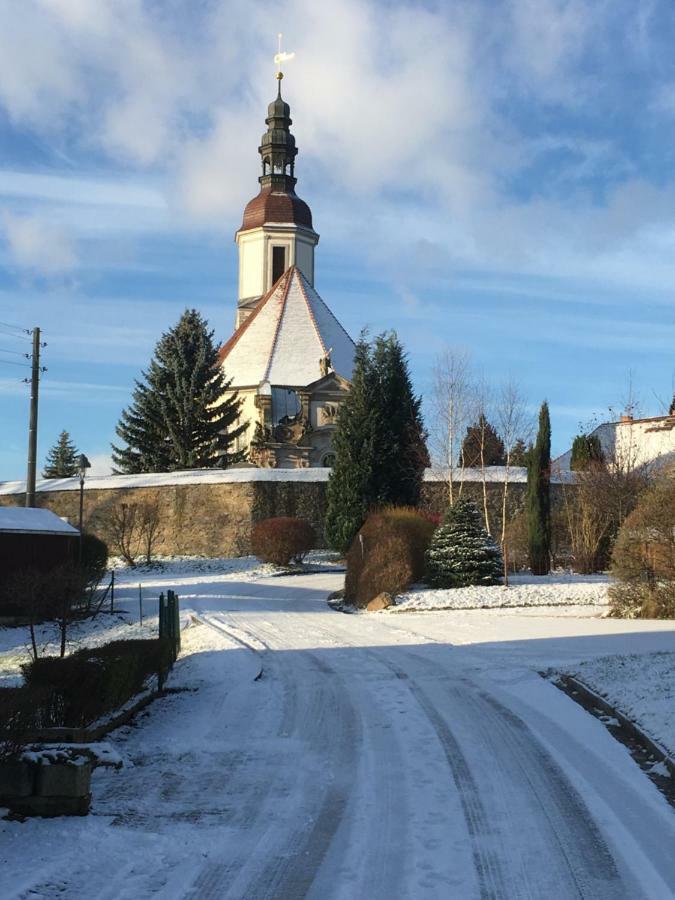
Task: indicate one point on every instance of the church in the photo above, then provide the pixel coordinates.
(289, 359)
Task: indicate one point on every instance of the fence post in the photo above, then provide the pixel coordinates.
(176, 613)
(112, 591)
(140, 604)
(161, 616)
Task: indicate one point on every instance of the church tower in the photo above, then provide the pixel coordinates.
(289, 360)
(276, 231)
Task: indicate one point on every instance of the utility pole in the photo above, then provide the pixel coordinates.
(32, 427)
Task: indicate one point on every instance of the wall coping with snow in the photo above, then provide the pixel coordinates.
(516, 475)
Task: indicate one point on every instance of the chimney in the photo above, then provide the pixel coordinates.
(625, 419)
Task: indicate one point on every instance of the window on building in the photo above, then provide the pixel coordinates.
(278, 263)
(285, 405)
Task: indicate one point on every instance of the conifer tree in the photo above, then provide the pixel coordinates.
(179, 417)
(350, 491)
(482, 445)
(538, 497)
(379, 442)
(402, 454)
(462, 552)
(62, 459)
(519, 454)
(586, 449)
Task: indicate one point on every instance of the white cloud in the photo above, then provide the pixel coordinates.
(38, 245)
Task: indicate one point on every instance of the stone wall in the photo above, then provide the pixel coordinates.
(212, 515)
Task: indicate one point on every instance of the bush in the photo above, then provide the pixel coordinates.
(95, 681)
(387, 554)
(643, 560)
(462, 552)
(94, 556)
(282, 540)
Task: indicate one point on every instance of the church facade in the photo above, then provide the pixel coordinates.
(289, 358)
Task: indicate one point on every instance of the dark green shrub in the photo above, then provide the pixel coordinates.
(387, 554)
(462, 552)
(282, 540)
(94, 556)
(93, 682)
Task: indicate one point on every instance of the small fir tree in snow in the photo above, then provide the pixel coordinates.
(179, 417)
(462, 552)
(62, 459)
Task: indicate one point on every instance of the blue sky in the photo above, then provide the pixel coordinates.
(490, 175)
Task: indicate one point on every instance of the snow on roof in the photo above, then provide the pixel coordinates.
(243, 475)
(24, 521)
(283, 341)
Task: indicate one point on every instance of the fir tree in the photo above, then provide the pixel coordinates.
(462, 552)
(519, 454)
(402, 454)
(62, 459)
(379, 442)
(350, 491)
(538, 497)
(586, 449)
(179, 417)
(482, 436)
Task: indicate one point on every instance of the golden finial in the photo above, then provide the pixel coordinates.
(281, 56)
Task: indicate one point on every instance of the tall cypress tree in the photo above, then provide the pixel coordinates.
(350, 487)
(61, 460)
(402, 451)
(539, 498)
(179, 417)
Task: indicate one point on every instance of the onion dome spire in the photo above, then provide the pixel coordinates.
(277, 147)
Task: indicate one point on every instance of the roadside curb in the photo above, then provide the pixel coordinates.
(639, 741)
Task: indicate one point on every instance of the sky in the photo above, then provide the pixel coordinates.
(492, 176)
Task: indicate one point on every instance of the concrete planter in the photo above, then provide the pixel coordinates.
(47, 789)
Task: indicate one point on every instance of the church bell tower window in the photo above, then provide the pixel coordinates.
(278, 263)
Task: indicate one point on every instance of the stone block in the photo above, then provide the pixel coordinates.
(16, 779)
(64, 779)
(382, 601)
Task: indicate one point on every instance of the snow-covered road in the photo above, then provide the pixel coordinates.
(334, 756)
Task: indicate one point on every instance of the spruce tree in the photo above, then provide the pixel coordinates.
(539, 498)
(402, 454)
(482, 435)
(62, 459)
(350, 492)
(519, 454)
(462, 552)
(179, 417)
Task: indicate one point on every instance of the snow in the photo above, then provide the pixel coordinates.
(243, 475)
(523, 590)
(285, 338)
(642, 687)
(409, 756)
(24, 521)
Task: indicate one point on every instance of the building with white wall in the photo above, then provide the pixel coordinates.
(289, 358)
(634, 443)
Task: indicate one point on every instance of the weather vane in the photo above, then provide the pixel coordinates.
(280, 57)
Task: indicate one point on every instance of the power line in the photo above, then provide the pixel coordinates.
(16, 327)
(12, 334)
(15, 352)
(10, 362)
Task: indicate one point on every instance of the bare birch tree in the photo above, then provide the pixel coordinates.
(514, 424)
(450, 411)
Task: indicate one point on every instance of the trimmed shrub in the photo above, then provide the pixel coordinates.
(643, 559)
(95, 681)
(462, 553)
(387, 554)
(94, 556)
(282, 540)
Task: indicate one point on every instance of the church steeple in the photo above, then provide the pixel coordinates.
(276, 231)
(277, 146)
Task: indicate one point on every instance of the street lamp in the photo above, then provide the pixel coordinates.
(82, 465)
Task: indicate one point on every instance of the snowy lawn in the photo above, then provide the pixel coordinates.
(124, 623)
(642, 687)
(523, 590)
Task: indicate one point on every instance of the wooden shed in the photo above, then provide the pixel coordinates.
(34, 539)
